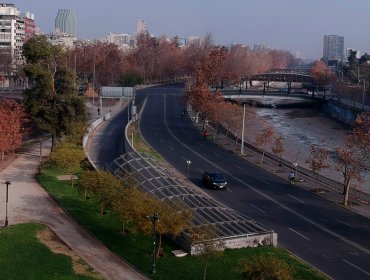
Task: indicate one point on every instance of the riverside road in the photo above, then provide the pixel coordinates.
(329, 237)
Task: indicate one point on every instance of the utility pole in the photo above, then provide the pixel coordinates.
(154, 219)
(6, 183)
(363, 96)
(242, 146)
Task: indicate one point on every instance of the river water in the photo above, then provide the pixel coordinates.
(302, 128)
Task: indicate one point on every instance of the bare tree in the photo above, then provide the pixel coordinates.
(278, 149)
(263, 138)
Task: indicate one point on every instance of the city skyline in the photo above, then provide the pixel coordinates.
(286, 24)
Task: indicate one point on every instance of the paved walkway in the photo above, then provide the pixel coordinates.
(29, 203)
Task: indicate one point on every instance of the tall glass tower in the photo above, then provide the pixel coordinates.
(66, 22)
(333, 48)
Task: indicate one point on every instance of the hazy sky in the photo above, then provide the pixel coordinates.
(282, 24)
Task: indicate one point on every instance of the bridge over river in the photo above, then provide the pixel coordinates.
(273, 98)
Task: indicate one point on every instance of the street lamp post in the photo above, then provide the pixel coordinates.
(188, 162)
(154, 219)
(363, 97)
(295, 164)
(242, 144)
(7, 183)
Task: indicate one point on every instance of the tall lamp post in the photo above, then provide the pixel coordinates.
(295, 164)
(188, 162)
(7, 183)
(154, 219)
(242, 144)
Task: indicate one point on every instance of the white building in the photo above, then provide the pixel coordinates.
(12, 33)
(61, 38)
(122, 40)
(141, 27)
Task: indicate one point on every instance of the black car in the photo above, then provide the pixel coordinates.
(214, 180)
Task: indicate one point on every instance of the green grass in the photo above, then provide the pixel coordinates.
(136, 248)
(141, 146)
(23, 256)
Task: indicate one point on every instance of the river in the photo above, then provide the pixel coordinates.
(302, 128)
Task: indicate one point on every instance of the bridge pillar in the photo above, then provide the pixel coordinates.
(289, 87)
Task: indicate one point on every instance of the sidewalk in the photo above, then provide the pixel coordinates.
(29, 203)
(271, 166)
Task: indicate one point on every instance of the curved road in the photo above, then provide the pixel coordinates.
(329, 237)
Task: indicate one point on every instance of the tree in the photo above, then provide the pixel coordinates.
(68, 156)
(12, 117)
(278, 149)
(352, 158)
(264, 137)
(322, 75)
(350, 163)
(129, 203)
(174, 218)
(76, 132)
(264, 267)
(52, 102)
(102, 184)
(207, 243)
(361, 134)
(317, 159)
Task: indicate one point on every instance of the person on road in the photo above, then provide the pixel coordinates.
(291, 177)
(205, 134)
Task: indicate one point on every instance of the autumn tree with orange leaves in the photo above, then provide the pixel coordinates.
(263, 138)
(352, 158)
(317, 159)
(322, 75)
(11, 120)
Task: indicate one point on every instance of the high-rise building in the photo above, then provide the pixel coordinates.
(65, 22)
(333, 49)
(141, 27)
(11, 36)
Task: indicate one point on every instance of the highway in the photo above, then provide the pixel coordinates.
(329, 237)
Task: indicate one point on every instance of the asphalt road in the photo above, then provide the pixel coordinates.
(329, 237)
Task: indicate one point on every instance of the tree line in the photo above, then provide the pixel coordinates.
(351, 160)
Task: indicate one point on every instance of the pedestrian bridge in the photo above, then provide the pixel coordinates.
(273, 99)
(282, 77)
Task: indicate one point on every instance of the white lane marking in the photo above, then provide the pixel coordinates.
(160, 139)
(344, 223)
(265, 182)
(259, 209)
(172, 149)
(290, 210)
(184, 158)
(237, 166)
(201, 171)
(355, 266)
(301, 235)
(296, 198)
(229, 190)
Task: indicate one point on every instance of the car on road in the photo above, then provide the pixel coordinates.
(214, 180)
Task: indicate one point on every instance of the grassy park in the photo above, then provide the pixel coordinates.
(137, 248)
(32, 251)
